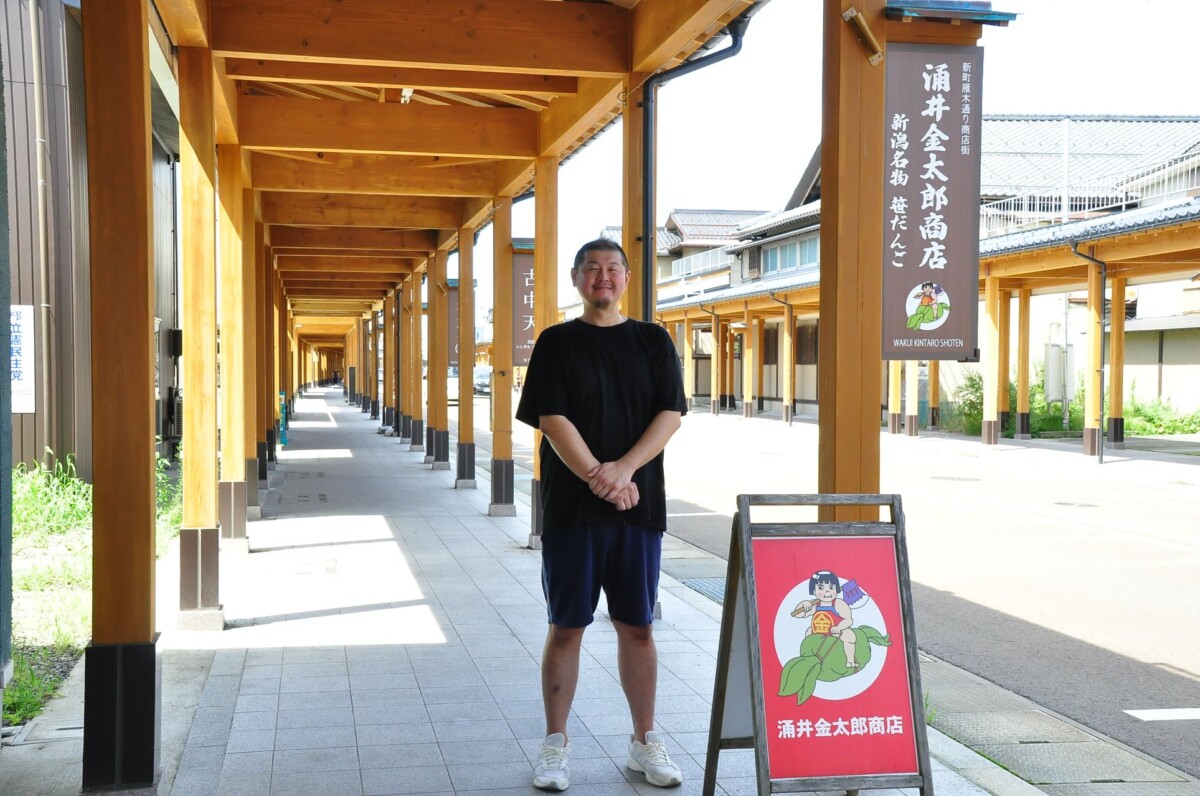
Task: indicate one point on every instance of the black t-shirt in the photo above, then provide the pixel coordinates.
(610, 382)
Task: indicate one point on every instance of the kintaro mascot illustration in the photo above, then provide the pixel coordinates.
(833, 647)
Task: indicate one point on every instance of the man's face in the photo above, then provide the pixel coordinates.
(601, 278)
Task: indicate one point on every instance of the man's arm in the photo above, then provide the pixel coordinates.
(574, 452)
(611, 477)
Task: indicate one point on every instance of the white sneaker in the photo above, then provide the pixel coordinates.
(651, 759)
(551, 772)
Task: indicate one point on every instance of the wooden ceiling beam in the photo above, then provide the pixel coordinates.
(330, 292)
(346, 284)
(186, 21)
(362, 238)
(358, 266)
(541, 86)
(497, 36)
(569, 118)
(386, 128)
(660, 29)
(349, 255)
(374, 174)
(361, 210)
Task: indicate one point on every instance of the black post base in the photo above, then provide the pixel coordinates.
(1116, 431)
(894, 423)
(1023, 427)
(406, 427)
(991, 432)
(231, 509)
(502, 489)
(122, 709)
(787, 414)
(417, 435)
(441, 450)
(1005, 416)
(535, 515)
(374, 409)
(465, 467)
(912, 425)
(1091, 441)
(935, 416)
(262, 460)
(271, 437)
(199, 569)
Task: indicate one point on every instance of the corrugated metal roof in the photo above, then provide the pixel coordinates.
(761, 287)
(663, 243)
(1022, 154)
(1165, 324)
(1163, 215)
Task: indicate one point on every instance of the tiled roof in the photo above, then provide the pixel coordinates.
(1163, 215)
(709, 225)
(1023, 153)
(1164, 324)
(772, 222)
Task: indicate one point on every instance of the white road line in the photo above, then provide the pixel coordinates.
(1166, 714)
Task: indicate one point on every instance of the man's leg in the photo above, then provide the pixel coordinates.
(637, 660)
(560, 675)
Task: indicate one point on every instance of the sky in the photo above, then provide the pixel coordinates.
(738, 134)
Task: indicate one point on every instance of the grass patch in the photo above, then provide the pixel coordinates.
(52, 575)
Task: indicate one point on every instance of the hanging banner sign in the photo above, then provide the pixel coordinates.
(931, 202)
(522, 312)
(818, 623)
(22, 364)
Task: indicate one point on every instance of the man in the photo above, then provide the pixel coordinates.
(607, 394)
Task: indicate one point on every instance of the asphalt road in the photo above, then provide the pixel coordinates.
(1071, 583)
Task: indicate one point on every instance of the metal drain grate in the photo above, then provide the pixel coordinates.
(712, 588)
(304, 475)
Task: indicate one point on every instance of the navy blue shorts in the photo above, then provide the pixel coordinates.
(621, 559)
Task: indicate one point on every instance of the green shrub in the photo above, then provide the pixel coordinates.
(1144, 419)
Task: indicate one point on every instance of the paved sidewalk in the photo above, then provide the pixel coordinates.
(384, 638)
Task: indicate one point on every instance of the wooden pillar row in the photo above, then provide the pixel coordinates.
(502, 504)
(989, 360)
(545, 295)
(633, 200)
(689, 359)
(417, 436)
(749, 355)
(252, 250)
(120, 737)
(912, 398)
(388, 402)
(787, 362)
(716, 367)
(895, 370)
(406, 357)
(1003, 348)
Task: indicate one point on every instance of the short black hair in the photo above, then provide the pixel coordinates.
(824, 576)
(599, 245)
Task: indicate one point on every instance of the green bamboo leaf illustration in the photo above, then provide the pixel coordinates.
(791, 681)
(914, 321)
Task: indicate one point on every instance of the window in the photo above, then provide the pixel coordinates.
(806, 345)
(790, 255)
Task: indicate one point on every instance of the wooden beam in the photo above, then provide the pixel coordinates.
(374, 174)
(397, 78)
(359, 238)
(386, 128)
(225, 105)
(399, 255)
(569, 118)
(351, 210)
(661, 29)
(336, 292)
(348, 284)
(340, 264)
(186, 21)
(497, 36)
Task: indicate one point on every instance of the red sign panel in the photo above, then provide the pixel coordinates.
(833, 656)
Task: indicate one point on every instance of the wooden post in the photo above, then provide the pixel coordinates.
(388, 401)
(252, 250)
(851, 256)
(1003, 336)
(912, 398)
(199, 537)
(545, 301)
(120, 746)
(787, 362)
(760, 346)
(439, 356)
(1022, 430)
(895, 381)
(465, 455)
(935, 394)
(632, 199)
(408, 388)
(689, 359)
(231, 488)
(1116, 365)
(502, 361)
(262, 267)
(731, 361)
(989, 359)
(749, 366)
(417, 443)
(1095, 365)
